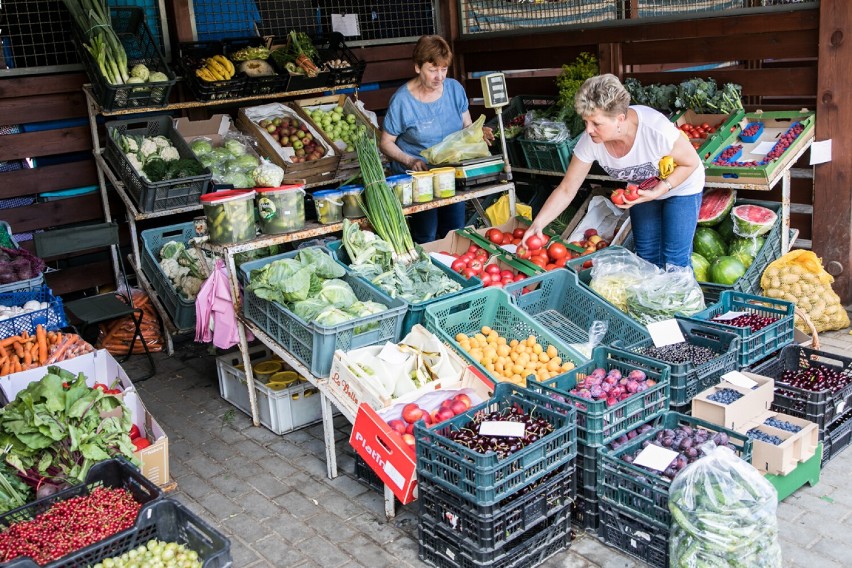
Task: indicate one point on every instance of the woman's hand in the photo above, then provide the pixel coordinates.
(641, 195)
(534, 230)
(488, 135)
(416, 165)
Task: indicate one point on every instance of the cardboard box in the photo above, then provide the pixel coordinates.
(740, 412)
(798, 447)
(720, 122)
(155, 458)
(382, 448)
(214, 128)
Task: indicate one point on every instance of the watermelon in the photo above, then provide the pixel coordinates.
(726, 270)
(726, 229)
(708, 243)
(752, 220)
(745, 249)
(716, 203)
(700, 267)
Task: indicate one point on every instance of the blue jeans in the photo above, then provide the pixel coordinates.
(434, 224)
(663, 229)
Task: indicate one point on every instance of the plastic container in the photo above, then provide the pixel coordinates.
(642, 539)
(443, 182)
(422, 190)
(403, 186)
(281, 209)
(51, 317)
(181, 309)
(264, 370)
(351, 206)
(329, 205)
(230, 216)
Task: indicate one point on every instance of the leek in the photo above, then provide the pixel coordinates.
(92, 18)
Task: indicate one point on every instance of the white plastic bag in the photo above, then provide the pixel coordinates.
(603, 216)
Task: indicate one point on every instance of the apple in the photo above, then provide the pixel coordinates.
(398, 426)
(461, 397)
(443, 414)
(458, 407)
(411, 413)
(408, 439)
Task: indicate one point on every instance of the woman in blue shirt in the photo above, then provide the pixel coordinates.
(421, 113)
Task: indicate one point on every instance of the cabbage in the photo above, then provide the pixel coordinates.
(332, 316)
(268, 174)
(246, 161)
(237, 179)
(324, 266)
(201, 146)
(157, 77)
(171, 249)
(235, 147)
(141, 72)
(368, 308)
(338, 293)
(282, 281)
(221, 154)
(310, 308)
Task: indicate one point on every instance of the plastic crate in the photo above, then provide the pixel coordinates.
(490, 307)
(642, 492)
(482, 479)
(821, 407)
(598, 423)
(585, 511)
(276, 83)
(758, 345)
(648, 541)
(837, 437)
(562, 305)
(442, 548)
(141, 48)
(280, 411)
(191, 56)
(334, 48)
(413, 310)
(314, 344)
(181, 310)
(688, 379)
(21, 284)
(154, 196)
(116, 473)
(52, 317)
(548, 156)
(494, 526)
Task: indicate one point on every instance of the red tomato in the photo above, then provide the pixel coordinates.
(557, 251)
(134, 432)
(458, 265)
(550, 267)
(497, 284)
(141, 443)
(534, 242)
(476, 265)
(507, 274)
(518, 233)
(481, 253)
(472, 249)
(522, 252)
(618, 196)
(518, 277)
(493, 269)
(468, 273)
(494, 235)
(486, 278)
(467, 257)
(560, 262)
(515, 242)
(539, 262)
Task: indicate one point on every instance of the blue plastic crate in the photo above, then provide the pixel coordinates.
(182, 310)
(314, 344)
(52, 317)
(483, 479)
(414, 310)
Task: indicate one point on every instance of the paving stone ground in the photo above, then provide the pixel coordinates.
(270, 495)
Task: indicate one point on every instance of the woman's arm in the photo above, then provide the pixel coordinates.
(561, 197)
(487, 132)
(388, 146)
(686, 161)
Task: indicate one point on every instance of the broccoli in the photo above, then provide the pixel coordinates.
(169, 154)
(156, 169)
(184, 167)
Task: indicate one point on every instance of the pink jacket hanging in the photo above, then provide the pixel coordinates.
(215, 319)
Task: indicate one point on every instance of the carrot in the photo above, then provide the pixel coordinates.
(6, 368)
(58, 353)
(41, 338)
(19, 349)
(16, 366)
(10, 341)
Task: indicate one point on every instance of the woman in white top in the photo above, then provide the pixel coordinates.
(628, 142)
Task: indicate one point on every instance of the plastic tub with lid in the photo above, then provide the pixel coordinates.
(402, 185)
(351, 207)
(443, 182)
(230, 216)
(422, 189)
(281, 209)
(329, 205)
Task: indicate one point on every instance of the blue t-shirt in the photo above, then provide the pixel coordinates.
(419, 125)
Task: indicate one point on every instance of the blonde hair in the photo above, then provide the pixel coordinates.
(604, 93)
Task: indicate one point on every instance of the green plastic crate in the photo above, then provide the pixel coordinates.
(490, 307)
(482, 479)
(597, 423)
(558, 301)
(518, 105)
(548, 156)
(754, 346)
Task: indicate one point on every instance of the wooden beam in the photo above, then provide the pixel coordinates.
(55, 213)
(38, 108)
(48, 178)
(42, 85)
(47, 143)
(832, 216)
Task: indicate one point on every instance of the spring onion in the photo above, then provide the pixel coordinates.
(92, 18)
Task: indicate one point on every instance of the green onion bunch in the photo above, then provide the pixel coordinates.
(92, 17)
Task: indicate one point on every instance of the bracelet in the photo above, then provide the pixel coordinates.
(668, 183)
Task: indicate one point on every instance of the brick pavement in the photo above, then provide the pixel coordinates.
(269, 494)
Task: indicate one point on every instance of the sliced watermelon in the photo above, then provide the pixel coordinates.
(716, 203)
(752, 220)
(708, 243)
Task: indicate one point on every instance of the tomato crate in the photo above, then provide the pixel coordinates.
(838, 434)
(558, 301)
(181, 310)
(585, 511)
(191, 56)
(314, 344)
(597, 422)
(52, 317)
(757, 345)
(497, 525)
(687, 378)
(116, 473)
(548, 156)
(413, 310)
(720, 123)
(442, 548)
(642, 492)
(482, 479)
(491, 307)
(821, 407)
(643, 539)
(161, 195)
(141, 48)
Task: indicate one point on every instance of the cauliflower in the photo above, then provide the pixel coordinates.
(148, 148)
(139, 71)
(169, 154)
(134, 161)
(162, 141)
(268, 174)
(174, 271)
(189, 286)
(129, 144)
(172, 249)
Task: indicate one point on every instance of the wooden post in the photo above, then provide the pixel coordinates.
(832, 213)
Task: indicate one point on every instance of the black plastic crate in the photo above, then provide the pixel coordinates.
(493, 526)
(256, 85)
(821, 407)
(114, 474)
(154, 196)
(443, 548)
(837, 436)
(141, 48)
(648, 541)
(191, 56)
(333, 48)
(585, 513)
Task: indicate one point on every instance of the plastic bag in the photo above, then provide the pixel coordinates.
(115, 335)
(601, 215)
(597, 331)
(545, 130)
(462, 145)
(723, 514)
(498, 212)
(799, 277)
(663, 295)
(615, 271)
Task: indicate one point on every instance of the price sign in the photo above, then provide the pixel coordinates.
(655, 457)
(665, 332)
(737, 378)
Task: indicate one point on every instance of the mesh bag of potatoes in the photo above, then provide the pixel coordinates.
(799, 277)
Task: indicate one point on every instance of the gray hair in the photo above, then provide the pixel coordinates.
(604, 93)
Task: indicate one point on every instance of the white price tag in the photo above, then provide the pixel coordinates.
(665, 332)
(510, 248)
(655, 457)
(502, 428)
(346, 24)
(445, 259)
(839, 408)
(391, 354)
(729, 316)
(737, 378)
